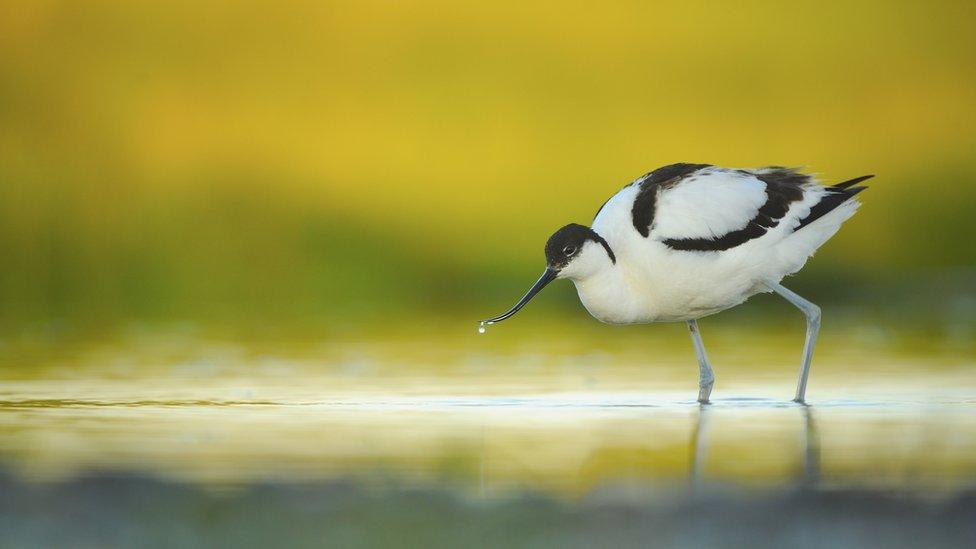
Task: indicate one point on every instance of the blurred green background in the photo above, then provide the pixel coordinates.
(230, 162)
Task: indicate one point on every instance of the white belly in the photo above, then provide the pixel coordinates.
(664, 285)
(686, 290)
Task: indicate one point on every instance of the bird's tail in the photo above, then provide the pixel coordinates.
(852, 182)
(837, 195)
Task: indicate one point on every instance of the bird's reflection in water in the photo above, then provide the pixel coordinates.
(699, 446)
(811, 448)
(810, 475)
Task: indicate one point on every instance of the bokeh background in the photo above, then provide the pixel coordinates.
(244, 246)
(339, 163)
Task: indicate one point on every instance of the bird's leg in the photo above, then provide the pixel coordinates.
(705, 376)
(812, 313)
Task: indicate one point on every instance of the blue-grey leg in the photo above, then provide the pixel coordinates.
(812, 313)
(705, 376)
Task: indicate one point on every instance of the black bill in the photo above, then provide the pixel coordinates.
(548, 276)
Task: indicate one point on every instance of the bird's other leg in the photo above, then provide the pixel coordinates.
(812, 313)
(705, 376)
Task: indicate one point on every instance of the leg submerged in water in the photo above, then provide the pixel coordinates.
(706, 378)
(812, 312)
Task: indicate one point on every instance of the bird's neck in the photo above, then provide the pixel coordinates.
(607, 296)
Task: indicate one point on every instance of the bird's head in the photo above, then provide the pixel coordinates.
(575, 252)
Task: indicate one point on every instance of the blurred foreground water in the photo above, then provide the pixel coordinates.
(555, 436)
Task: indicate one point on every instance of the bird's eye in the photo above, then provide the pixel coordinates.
(569, 250)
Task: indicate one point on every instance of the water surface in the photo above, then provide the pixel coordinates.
(560, 415)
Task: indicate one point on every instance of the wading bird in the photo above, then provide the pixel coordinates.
(689, 240)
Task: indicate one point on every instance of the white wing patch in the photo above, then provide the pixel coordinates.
(708, 204)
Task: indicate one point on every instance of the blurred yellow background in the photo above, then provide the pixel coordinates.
(235, 160)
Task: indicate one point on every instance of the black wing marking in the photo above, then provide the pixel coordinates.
(642, 212)
(840, 193)
(783, 187)
(852, 182)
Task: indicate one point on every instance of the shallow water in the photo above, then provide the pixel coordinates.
(562, 435)
(565, 414)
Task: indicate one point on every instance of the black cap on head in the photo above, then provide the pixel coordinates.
(567, 242)
(561, 248)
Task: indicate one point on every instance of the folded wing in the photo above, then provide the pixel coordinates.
(697, 207)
